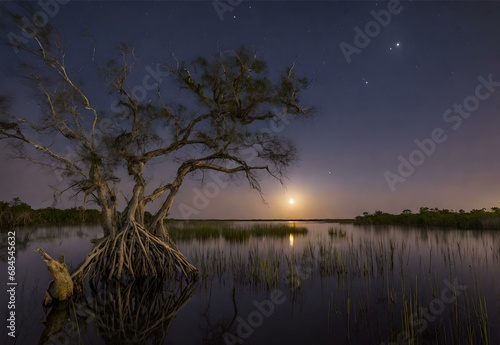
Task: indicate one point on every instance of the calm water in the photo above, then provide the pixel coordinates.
(339, 284)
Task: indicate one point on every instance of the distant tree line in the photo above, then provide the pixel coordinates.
(18, 213)
(434, 217)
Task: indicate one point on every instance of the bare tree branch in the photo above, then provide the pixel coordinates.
(225, 101)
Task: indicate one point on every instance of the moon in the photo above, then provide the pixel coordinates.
(291, 201)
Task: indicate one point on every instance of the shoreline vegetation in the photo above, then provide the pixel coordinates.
(18, 213)
(476, 219)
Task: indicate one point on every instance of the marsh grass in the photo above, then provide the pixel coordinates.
(375, 286)
(206, 230)
(336, 232)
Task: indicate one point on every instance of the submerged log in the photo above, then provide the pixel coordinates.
(61, 288)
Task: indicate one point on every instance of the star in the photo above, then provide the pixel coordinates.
(397, 45)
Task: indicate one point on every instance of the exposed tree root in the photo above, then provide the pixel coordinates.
(133, 253)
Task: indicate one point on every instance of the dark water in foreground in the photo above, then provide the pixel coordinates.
(339, 284)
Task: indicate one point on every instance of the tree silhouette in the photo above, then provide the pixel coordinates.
(208, 120)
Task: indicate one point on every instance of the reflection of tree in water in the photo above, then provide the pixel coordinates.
(59, 324)
(140, 312)
(214, 331)
(137, 313)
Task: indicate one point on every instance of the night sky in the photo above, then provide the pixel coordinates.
(422, 96)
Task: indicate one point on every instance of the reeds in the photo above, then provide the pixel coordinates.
(336, 232)
(391, 284)
(211, 230)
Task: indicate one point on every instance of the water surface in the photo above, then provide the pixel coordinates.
(338, 284)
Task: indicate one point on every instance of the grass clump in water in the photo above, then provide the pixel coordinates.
(206, 230)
